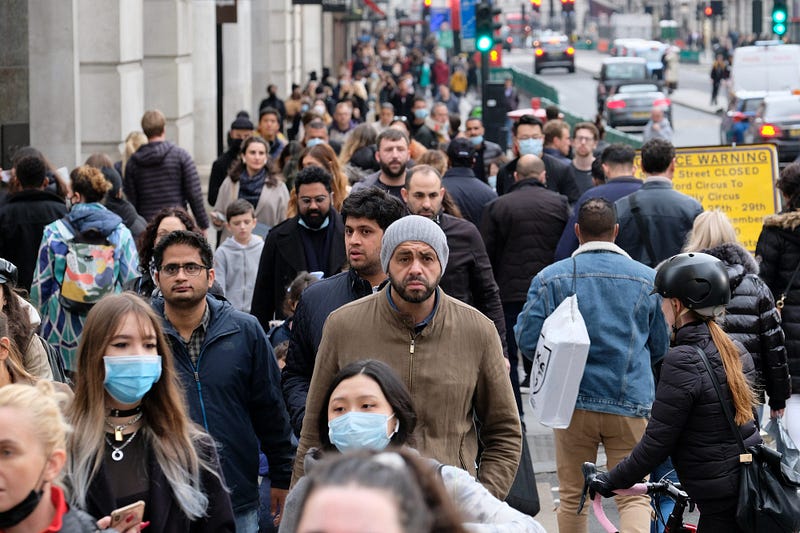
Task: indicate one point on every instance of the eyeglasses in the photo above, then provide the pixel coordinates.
(580, 139)
(399, 118)
(190, 269)
(306, 200)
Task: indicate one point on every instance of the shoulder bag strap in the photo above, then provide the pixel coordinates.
(725, 408)
(780, 302)
(645, 236)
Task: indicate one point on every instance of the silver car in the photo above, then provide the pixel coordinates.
(630, 105)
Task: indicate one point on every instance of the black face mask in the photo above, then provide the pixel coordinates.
(235, 144)
(21, 511)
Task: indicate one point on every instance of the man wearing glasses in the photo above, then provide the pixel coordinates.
(228, 371)
(313, 241)
(584, 142)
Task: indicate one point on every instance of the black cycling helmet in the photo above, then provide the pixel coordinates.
(8, 272)
(699, 281)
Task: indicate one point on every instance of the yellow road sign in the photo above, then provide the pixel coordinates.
(739, 181)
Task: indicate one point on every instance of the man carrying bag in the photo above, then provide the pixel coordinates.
(627, 334)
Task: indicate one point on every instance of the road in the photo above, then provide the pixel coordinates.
(576, 91)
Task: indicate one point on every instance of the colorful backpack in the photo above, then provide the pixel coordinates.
(89, 271)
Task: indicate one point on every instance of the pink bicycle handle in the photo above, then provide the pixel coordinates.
(597, 505)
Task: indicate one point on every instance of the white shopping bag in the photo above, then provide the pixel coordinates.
(558, 365)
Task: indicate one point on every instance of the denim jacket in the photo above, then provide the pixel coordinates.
(627, 330)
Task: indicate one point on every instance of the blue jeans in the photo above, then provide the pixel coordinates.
(247, 522)
(662, 503)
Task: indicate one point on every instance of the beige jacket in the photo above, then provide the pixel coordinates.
(453, 368)
(271, 207)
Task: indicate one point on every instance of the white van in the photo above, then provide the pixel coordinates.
(768, 66)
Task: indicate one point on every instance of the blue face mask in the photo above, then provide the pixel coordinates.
(531, 146)
(356, 430)
(130, 377)
(420, 113)
(315, 141)
(477, 140)
(492, 181)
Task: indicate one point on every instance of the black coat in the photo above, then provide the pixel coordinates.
(219, 171)
(132, 220)
(282, 258)
(778, 249)
(22, 221)
(468, 276)
(468, 192)
(558, 176)
(687, 423)
(751, 319)
(161, 509)
(316, 303)
(521, 230)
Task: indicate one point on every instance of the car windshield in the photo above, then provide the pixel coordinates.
(751, 105)
(625, 71)
(638, 88)
(783, 109)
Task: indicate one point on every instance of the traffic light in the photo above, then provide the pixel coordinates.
(426, 9)
(567, 6)
(536, 5)
(485, 26)
(495, 57)
(718, 8)
(779, 17)
(707, 11)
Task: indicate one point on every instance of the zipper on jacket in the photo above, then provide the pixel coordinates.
(411, 365)
(200, 395)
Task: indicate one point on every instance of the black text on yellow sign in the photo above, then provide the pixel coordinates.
(739, 181)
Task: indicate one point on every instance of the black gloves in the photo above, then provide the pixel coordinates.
(601, 485)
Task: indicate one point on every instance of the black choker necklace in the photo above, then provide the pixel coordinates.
(125, 412)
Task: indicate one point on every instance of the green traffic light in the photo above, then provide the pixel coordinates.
(779, 29)
(484, 43)
(779, 17)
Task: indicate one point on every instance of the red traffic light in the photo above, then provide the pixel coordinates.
(428, 3)
(708, 11)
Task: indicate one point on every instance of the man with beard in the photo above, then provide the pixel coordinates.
(468, 276)
(227, 368)
(392, 156)
(447, 353)
(366, 215)
(313, 241)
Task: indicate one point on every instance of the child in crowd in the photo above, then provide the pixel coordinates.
(236, 260)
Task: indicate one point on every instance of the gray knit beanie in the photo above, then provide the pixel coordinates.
(414, 228)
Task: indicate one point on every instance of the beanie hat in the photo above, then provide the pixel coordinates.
(112, 176)
(414, 228)
(242, 121)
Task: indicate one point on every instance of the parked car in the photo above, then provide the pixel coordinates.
(742, 107)
(553, 52)
(615, 71)
(777, 121)
(631, 103)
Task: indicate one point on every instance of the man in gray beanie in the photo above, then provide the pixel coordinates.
(447, 353)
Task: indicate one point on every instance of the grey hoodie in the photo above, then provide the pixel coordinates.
(236, 267)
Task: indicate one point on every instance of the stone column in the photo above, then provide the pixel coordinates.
(204, 81)
(238, 66)
(273, 45)
(168, 66)
(316, 41)
(111, 78)
(54, 86)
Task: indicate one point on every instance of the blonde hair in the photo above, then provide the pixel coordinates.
(710, 229)
(133, 141)
(42, 404)
(171, 435)
(741, 392)
(435, 158)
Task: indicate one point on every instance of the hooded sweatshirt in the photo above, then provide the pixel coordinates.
(236, 266)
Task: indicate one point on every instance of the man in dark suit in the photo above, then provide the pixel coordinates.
(313, 241)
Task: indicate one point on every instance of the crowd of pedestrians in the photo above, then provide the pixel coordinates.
(349, 355)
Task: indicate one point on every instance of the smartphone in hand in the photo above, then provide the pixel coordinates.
(128, 516)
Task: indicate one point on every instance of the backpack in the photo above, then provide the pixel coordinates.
(88, 272)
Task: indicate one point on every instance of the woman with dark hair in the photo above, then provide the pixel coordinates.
(88, 253)
(165, 222)
(251, 178)
(133, 438)
(778, 251)
(368, 406)
(23, 321)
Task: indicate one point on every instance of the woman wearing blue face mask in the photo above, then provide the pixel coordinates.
(133, 438)
(368, 406)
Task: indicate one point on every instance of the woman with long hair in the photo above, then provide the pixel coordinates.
(323, 156)
(751, 316)
(88, 228)
(357, 157)
(133, 438)
(688, 423)
(133, 142)
(778, 251)
(23, 321)
(11, 368)
(252, 178)
(368, 406)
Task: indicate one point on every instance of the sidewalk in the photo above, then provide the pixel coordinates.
(590, 61)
